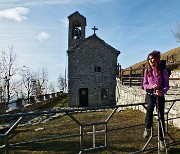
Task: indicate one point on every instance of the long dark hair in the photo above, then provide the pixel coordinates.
(149, 67)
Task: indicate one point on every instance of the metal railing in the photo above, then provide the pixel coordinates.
(7, 146)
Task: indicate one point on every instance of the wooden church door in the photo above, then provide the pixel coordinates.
(83, 97)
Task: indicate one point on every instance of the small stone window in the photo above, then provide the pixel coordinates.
(104, 93)
(97, 69)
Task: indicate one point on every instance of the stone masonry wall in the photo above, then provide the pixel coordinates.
(82, 62)
(134, 94)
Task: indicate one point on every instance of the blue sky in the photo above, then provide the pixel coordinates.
(38, 29)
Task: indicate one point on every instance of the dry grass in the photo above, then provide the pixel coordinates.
(173, 56)
(120, 138)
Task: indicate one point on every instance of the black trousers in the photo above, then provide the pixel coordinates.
(151, 101)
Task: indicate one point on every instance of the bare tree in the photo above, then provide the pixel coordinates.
(1, 83)
(176, 33)
(27, 81)
(8, 69)
(62, 83)
(40, 82)
(52, 87)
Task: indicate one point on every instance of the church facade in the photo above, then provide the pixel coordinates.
(92, 67)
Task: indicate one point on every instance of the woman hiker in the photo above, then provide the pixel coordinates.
(156, 84)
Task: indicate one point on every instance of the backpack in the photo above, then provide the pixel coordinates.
(169, 71)
(162, 65)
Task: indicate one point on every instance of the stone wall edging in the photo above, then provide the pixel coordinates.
(132, 95)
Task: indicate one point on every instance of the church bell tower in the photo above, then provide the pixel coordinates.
(77, 24)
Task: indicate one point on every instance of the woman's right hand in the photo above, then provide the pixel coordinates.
(154, 86)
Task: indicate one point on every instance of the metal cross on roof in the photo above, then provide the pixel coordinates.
(94, 29)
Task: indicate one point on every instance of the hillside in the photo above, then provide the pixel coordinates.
(59, 134)
(172, 56)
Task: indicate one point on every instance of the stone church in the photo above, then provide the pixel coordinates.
(92, 67)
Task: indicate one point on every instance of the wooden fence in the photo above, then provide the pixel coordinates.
(134, 76)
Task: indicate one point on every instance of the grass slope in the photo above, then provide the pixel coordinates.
(173, 56)
(124, 135)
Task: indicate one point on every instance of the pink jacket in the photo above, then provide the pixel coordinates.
(149, 81)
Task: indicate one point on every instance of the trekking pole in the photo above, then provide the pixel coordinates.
(160, 126)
